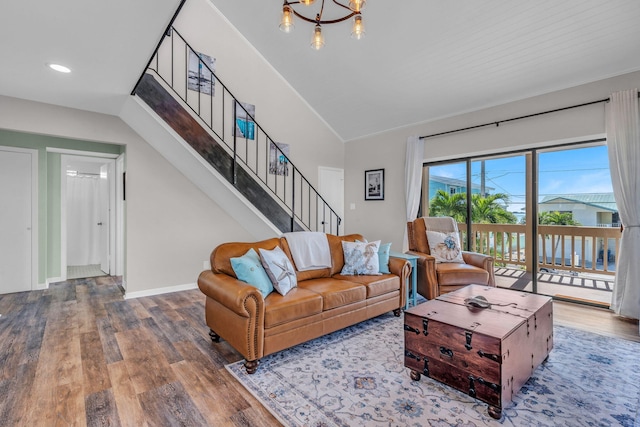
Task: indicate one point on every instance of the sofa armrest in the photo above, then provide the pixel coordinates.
(401, 268)
(231, 293)
(427, 276)
(482, 261)
(234, 311)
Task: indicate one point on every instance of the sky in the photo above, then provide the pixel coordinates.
(567, 171)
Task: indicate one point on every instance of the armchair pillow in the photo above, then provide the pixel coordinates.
(249, 269)
(445, 247)
(361, 258)
(279, 269)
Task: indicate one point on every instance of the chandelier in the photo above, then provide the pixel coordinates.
(317, 40)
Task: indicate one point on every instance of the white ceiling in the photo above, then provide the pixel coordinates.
(421, 59)
(106, 44)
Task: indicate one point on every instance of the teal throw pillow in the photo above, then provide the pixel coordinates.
(249, 269)
(383, 258)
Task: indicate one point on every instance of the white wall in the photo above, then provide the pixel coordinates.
(386, 219)
(171, 226)
(286, 117)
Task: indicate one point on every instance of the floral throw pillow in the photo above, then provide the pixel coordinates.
(445, 247)
(279, 269)
(361, 258)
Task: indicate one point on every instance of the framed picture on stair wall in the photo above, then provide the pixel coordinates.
(374, 184)
(279, 159)
(200, 70)
(245, 125)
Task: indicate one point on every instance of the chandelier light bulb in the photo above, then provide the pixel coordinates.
(357, 5)
(317, 42)
(286, 23)
(357, 31)
(344, 11)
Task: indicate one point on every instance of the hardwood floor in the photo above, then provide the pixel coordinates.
(79, 354)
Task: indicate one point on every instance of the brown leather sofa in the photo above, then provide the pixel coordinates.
(323, 301)
(434, 278)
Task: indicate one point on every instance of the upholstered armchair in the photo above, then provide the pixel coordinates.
(436, 278)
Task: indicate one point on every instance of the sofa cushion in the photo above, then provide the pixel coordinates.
(460, 274)
(335, 293)
(279, 269)
(383, 258)
(222, 254)
(384, 252)
(361, 258)
(297, 304)
(337, 253)
(249, 269)
(375, 285)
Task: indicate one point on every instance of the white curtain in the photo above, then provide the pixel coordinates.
(413, 180)
(623, 140)
(83, 231)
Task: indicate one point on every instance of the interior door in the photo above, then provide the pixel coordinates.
(15, 221)
(331, 187)
(104, 222)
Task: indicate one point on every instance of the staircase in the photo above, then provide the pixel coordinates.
(215, 133)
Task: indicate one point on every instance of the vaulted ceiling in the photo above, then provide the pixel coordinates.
(420, 60)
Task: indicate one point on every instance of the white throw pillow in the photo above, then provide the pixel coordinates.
(279, 269)
(445, 247)
(361, 258)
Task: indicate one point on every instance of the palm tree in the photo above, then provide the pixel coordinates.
(491, 209)
(556, 218)
(453, 205)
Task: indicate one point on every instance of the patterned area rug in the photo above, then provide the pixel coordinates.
(356, 377)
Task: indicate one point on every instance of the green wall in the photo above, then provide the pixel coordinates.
(49, 175)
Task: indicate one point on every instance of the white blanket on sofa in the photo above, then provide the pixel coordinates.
(309, 249)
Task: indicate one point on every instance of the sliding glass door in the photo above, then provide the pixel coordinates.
(547, 216)
(445, 193)
(578, 224)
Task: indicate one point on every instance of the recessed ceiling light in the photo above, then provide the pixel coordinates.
(60, 68)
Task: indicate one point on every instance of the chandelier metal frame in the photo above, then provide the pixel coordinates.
(318, 19)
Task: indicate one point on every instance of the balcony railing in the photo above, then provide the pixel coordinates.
(560, 247)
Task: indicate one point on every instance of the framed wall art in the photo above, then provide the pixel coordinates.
(245, 126)
(278, 159)
(199, 77)
(374, 184)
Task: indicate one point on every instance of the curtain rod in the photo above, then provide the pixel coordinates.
(497, 123)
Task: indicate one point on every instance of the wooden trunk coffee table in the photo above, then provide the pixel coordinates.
(488, 353)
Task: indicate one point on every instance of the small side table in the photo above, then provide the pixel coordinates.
(413, 260)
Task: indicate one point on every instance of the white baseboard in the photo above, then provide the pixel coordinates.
(159, 291)
(49, 281)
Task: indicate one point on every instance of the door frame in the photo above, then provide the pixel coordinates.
(35, 267)
(329, 193)
(114, 203)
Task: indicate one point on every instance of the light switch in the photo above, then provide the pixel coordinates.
(352, 206)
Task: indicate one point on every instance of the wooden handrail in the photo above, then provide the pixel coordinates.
(561, 247)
